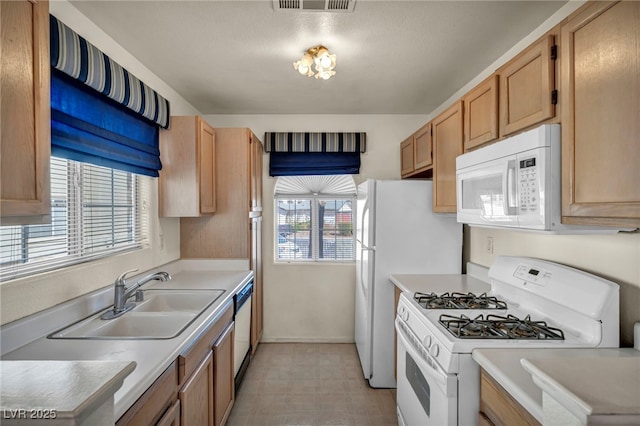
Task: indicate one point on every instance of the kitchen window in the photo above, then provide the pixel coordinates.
(315, 219)
(95, 212)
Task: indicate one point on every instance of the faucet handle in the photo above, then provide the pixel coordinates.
(120, 279)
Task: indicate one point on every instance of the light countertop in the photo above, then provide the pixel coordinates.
(439, 283)
(152, 357)
(58, 390)
(506, 367)
(591, 388)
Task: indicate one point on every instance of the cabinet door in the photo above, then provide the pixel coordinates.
(171, 417)
(257, 299)
(481, 114)
(256, 172)
(196, 396)
(207, 163)
(423, 157)
(187, 183)
(600, 65)
(447, 145)
(25, 136)
(406, 157)
(526, 86)
(223, 383)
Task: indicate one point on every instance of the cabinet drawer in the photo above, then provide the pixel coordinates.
(191, 357)
(148, 409)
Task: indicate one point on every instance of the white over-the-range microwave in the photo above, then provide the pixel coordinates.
(515, 183)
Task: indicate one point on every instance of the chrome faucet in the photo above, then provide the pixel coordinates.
(122, 292)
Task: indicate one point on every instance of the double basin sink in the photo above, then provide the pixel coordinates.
(163, 314)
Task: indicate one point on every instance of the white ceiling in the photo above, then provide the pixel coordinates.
(393, 57)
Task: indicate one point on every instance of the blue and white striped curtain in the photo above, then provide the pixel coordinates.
(320, 153)
(315, 142)
(79, 59)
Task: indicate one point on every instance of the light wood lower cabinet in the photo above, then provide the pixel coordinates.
(172, 416)
(223, 383)
(151, 406)
(196, 396)
(498, 408)
(198, 388)
(600, 82)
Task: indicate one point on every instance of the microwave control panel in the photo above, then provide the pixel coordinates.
(528, 185)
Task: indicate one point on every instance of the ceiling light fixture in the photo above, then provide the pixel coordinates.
(323, 60)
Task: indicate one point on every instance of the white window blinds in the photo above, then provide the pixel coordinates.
(95, 212)
(315, 218)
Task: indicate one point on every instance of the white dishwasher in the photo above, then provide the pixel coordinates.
(242, 339)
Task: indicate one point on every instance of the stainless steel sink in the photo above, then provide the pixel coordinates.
(164, 314)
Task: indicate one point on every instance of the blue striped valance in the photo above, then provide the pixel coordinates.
(76, 57)
(315, 142)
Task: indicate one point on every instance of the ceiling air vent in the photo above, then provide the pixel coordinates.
(314, 5)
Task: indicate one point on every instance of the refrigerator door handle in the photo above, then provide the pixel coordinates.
(362, 286)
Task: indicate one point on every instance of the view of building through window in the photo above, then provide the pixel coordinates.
(315, 229)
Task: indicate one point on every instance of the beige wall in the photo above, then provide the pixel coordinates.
(614, 257)
(22, 297)
(313, 302)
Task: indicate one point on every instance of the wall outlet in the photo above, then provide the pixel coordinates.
(490, 245)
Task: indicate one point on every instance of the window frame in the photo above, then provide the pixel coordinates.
(314, 200)
(76, 247)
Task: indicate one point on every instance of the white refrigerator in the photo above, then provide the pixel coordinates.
(397, 233)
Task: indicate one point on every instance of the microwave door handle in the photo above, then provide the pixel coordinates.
(510, 196)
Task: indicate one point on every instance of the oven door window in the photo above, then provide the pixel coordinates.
(419, 384)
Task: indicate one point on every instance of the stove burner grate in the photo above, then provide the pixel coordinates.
(499, 327)
(458, 301)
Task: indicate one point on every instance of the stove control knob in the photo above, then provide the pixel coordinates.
(427, 341)
(405, 316)
(401, 310)
(435, 350)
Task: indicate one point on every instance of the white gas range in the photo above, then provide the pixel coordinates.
(532, 303)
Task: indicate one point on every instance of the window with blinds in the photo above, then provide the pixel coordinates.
(315, 218)
(95, 212)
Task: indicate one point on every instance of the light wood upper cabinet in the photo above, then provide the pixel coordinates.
(422, 147)
(447, 145)
(25, 117)
(527, 83)
(407, 163)
(187, 184)
(196, 396)
(416, 155)
(600, 81)
(481, 114)
(227, 233)
(223, 377)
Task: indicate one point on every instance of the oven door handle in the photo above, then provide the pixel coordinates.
(426, 364)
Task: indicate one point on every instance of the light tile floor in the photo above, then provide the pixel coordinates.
(310, 384)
